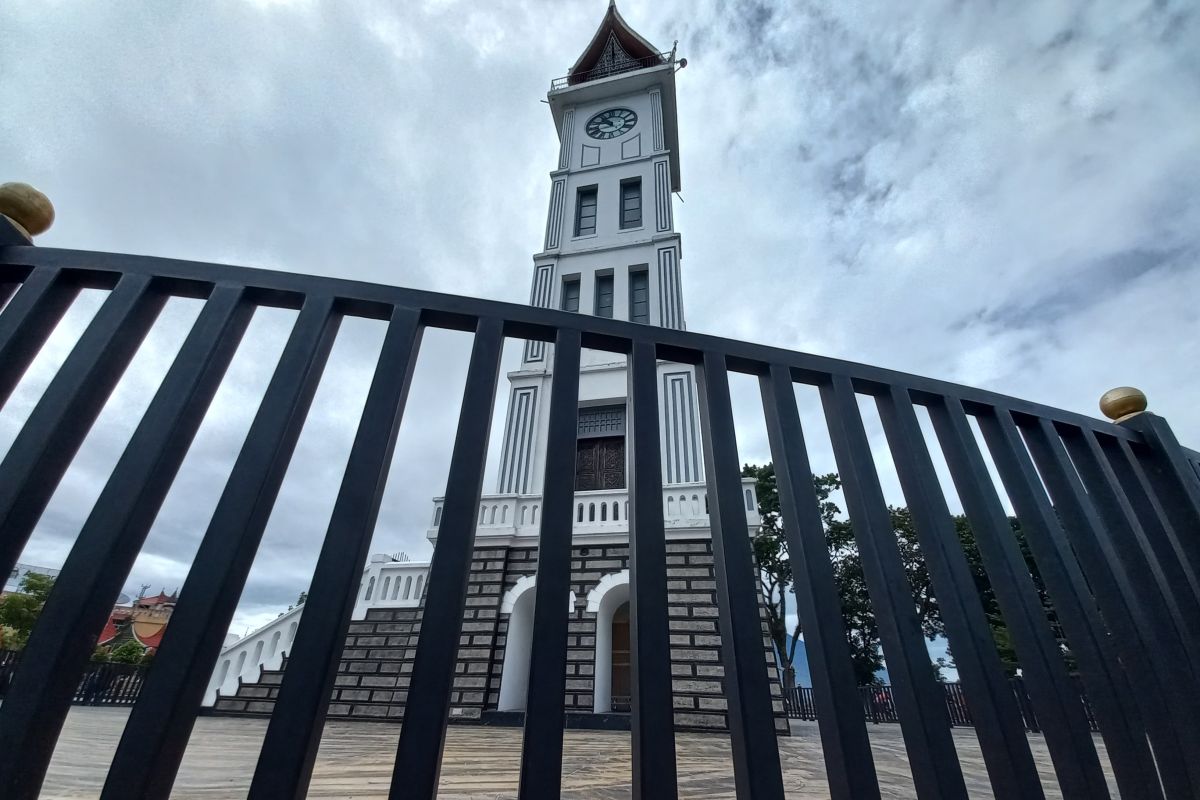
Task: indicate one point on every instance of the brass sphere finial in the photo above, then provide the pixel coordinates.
(27, 207)
(1122, 402)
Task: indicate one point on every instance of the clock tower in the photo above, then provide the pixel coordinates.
(609, 249)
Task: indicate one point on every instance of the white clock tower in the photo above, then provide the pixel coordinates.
(610, 249)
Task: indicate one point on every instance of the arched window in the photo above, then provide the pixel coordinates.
(292, 632)
(482, 514)
(524, 509)
(408, 587)
(241, 662)
(591, 512)
(616, 511)
(492, 518)
(420, 580)
(224, 673)
(503, 514)
(275, 644)
(604, 512)
(626, 509)
(387, 584)
(749, 500)
(370, 588)
(579, 515)
(437, 516)
(696, 505)
(670, 506)
(706, 511)
(533, 521)
(258, 648)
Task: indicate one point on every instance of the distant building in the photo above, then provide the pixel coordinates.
(144, 621)
(12, 583)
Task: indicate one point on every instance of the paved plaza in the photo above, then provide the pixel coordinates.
(480, 762)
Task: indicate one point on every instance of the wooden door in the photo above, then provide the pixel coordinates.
(622, 681)
(600, 463)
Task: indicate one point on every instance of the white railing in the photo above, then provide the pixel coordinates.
(387, 583)
(260, 649)
(685, 505)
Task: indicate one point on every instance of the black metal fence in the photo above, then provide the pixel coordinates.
(879, 705)
(1111, 513)
(101, 684)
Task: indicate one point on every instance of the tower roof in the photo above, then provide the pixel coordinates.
(615, 48)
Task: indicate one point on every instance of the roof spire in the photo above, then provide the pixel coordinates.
(615, 48)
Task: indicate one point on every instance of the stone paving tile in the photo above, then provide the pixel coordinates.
(482, 763)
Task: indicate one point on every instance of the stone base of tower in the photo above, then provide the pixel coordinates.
(376, 665)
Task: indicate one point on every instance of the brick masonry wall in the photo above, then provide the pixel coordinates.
(373, 675)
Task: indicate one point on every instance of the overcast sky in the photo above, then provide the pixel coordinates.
(1000, 194)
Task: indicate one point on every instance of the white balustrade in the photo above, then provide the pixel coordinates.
(685, 506)
(387, 583)
(264, 648)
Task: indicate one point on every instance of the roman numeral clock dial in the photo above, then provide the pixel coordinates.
(611, 123)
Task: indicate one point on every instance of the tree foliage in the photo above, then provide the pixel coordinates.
(19, 610)
(127, 652)
(862, 631)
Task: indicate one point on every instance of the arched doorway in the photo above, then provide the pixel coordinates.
(610, 602)
(514, 678)
(517, 604)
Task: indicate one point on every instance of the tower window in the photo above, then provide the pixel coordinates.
(639, 296)
(585, 211)
(604, 296)
(631, 203)
(570, 295)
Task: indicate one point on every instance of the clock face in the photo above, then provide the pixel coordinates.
(611, 123)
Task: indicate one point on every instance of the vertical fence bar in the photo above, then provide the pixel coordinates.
(289, 750)
(1101, 536)
(1176, 480)
(1000, 728)
(419, 754)
(921, 701)
(156, 736)
(1072, 600)
(28, 320)
(1154, 534)
(756, 768)
(1086, 538)
(61, 644)
(1059, 712)
(1114, 499)
(846, 747)
(542, 746)
(653, 717)
(1164, 528)
(44, 448)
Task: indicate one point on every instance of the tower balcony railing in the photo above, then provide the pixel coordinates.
(633, 65)
(685, 506)
(1106, 511)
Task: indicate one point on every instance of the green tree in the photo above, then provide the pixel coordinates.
(862, 632)
(127, 652)
(19, 610)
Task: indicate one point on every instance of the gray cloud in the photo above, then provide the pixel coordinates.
(998, 195)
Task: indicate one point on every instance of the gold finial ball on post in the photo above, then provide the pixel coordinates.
(1122, 402)
(27, 207)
